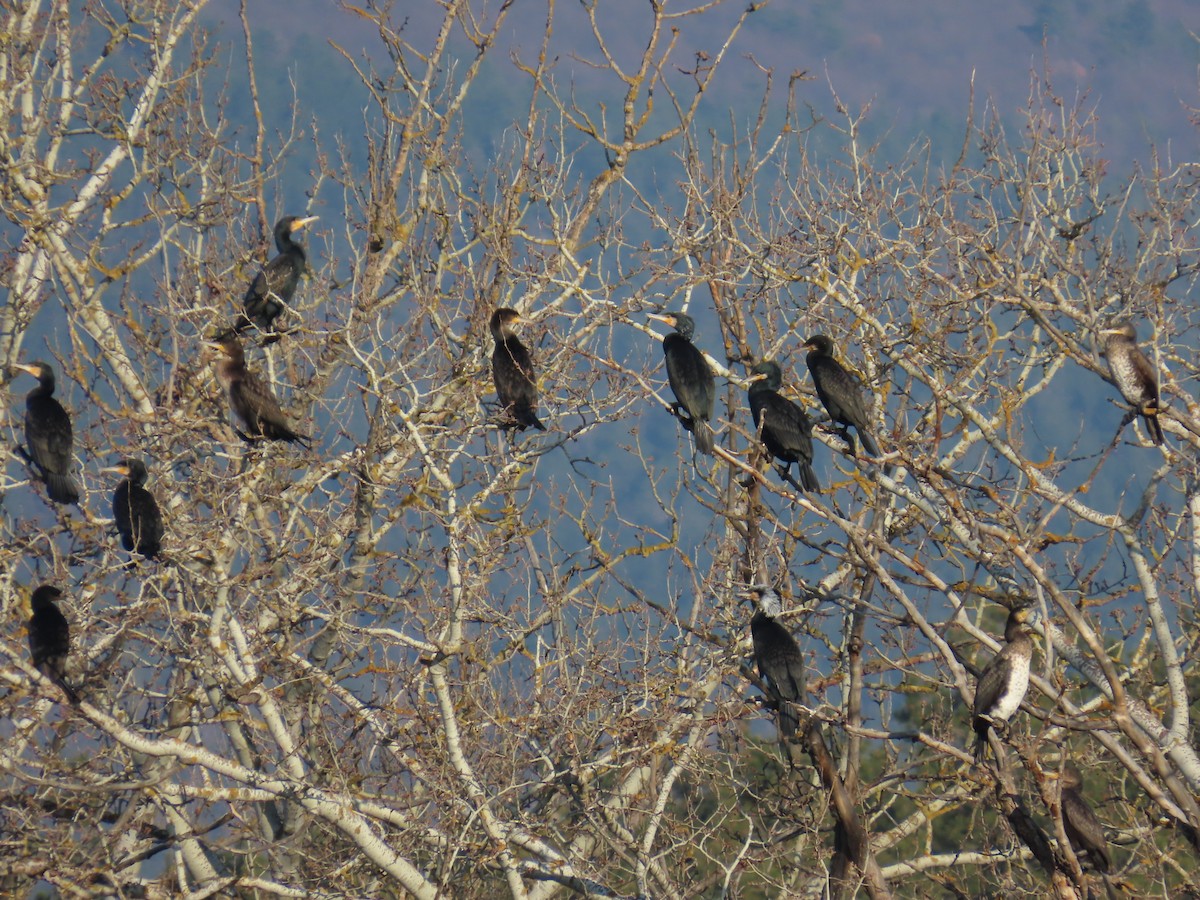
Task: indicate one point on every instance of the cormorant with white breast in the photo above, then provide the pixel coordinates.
(1134, 375)
(784, 427)
(273, 288)
(512, 371)
(50, 638)
(690, 377)
(49, 439)
(840, 393)
(1004, 680)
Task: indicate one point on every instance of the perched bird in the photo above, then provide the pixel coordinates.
(691, 379)
(785, 428)
(778, 657)
(50, 638)
(48, 435)
(1134, 375)
(512, 371)
(138, 518)
(840, 393)
(1083, 829)
(273, 288)
(1004, 680)
(250, 399)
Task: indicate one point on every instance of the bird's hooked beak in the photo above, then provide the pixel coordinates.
(658, 317)
(303, 223)
(117, 470)
(759, 377)
(28, 369)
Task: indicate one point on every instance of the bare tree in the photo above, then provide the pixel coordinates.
(433, 657)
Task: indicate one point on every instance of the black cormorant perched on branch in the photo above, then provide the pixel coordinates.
(1083, 829)
(48, 435)
(840, 393)
(135, 510)
(785, 428)
(272, 290)
(50, 638)
(512, 371)
(1004, 680)
(778, 657)
(250, 398)
(1134, 375)
(691, 379)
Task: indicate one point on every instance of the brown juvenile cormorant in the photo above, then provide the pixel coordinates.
(691, 379)
(1134, 375)
(778, 657)
(272, 290)
(840, 393)
(1083, 829)
(1004, 680)
(250, 398)
(50, 638)
(785, 428)
(512, 371)
(135, 510)
(48, 435)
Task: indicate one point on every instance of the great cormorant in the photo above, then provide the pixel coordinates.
(50, 638)
(272, 290)
(48, 435)
(512, 371)
(1083, 829)
(840, 393)
(250, 398)
(135, 510)
(785, 428)
(1134, 375)
(691, 378)
(1005, 679)
(778, 657)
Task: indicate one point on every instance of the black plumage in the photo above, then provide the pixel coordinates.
(1004, 680)
(251, 402)
(272, 290)
(840, 393)
(49, 439)
(512, 371)
(1135, 376)
(691, 379)
(778, 657)
(1083, 829)
(50, 638)
(135, 510)
(784, 427)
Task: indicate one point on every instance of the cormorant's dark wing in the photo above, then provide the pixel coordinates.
(50, 440)
(786, 432)
(841, 395)
(254, 404)
(1084, 830)
(781, 665)
(516, 384)
(693, 385)
(138, 518)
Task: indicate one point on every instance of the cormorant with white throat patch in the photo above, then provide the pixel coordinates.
(135, 510)
(1004, 680)
(1134, 375)
(273, 288)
